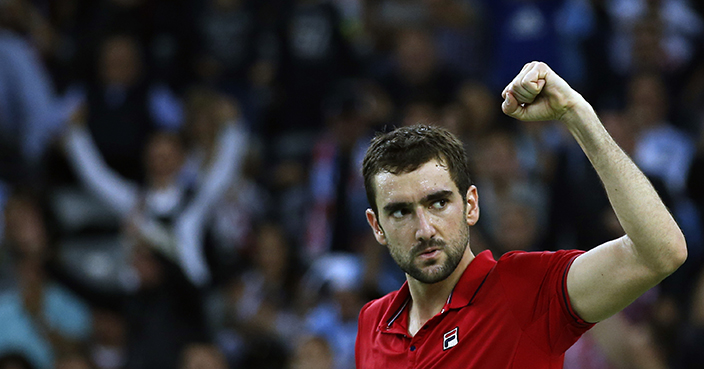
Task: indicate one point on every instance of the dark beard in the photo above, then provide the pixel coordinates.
(454, 256)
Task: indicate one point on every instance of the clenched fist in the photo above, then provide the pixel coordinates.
(538, 93)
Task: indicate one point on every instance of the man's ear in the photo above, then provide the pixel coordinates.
(472, 205)
(376, 227)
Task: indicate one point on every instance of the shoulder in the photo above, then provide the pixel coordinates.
(534, 286)
(524, 265)
(373, 312)
(375, 309)
(522, 258)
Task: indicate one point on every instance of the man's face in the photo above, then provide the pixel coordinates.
(164, 155)
(120, 61)
(423, 220)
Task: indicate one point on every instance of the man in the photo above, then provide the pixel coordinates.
(461, 311)
(31, 114)
(168, 213)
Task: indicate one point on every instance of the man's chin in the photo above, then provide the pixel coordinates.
(431, 274)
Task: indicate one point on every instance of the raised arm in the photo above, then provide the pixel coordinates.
(607, 278)
(120, 194)
(220, 174)
(223, 171)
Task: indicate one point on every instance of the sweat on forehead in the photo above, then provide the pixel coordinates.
(405, 149)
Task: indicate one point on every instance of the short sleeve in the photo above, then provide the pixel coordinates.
(535, 287)
(363, 337)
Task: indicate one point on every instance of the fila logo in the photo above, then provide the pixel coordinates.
(450, 339)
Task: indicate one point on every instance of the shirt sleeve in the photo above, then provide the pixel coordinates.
(222, 172)
(363, 338)
(41, 112)
(535, 283)
(120, 194)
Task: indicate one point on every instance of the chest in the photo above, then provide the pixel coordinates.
(484, 335)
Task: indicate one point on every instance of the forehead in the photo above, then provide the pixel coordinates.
(430, 177)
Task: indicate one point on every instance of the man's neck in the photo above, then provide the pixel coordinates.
(427, 300)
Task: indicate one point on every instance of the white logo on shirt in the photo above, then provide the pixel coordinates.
(450, 339)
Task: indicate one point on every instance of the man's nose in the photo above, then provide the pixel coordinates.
(425, 229)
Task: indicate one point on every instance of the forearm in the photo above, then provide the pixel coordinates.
(224, 171)
(656, 237)
(96, 175)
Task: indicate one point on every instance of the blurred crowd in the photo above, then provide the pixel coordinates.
(180, 180)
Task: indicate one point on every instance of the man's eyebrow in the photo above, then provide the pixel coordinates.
(443, 194)
(393, 206)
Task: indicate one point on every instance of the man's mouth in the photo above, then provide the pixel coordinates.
(430, 253)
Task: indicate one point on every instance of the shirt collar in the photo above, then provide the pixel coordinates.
(471, 280)
(462, 295)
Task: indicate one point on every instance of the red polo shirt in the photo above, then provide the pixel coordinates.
(514, 313)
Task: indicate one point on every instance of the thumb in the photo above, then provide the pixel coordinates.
(510, 106)
(539, 84)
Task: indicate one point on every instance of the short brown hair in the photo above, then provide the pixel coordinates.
(405, 149)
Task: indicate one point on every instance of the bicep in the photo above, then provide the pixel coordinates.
(607, 278)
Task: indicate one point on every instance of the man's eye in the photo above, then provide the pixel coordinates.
(399, 213)
(439, 204)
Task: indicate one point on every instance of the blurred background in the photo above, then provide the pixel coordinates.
(180, 180)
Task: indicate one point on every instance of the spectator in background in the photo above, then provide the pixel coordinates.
(202, 356)
(62, 31)
(689, 353)
(38, 317)
(419, 111)
(167, 213)
(230, 229)
(521, 30)
(26, 236)
(601, 82)
(335, 283)
(258, 305)
(665, 152)
(228, 32)
(458, 33)
(502, 179)
(315, 56)
(517, 228)
(312, 352)
(135, 59)
(163, 312)
(124, 108)
(289, 185)
(452, 25)
(630, 338)
(416, 74)
(30, 113)
(477, 118)
(695, 183)
(386, 18)
(615, 343)
(163, 28)
(582, 221)
(336, 186)
(661, 149)
(653, 36)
